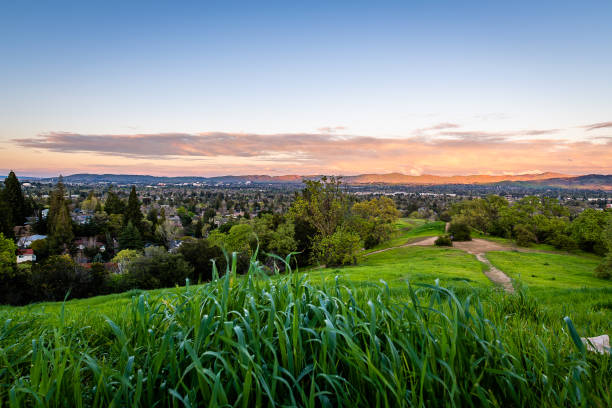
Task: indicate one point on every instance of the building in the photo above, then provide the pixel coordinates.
(25, 255)
(25, 242)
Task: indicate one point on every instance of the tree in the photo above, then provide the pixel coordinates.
(587, 230)
(58, 220)
(130, 237)
(159, 270)
(113, 205)
(340, 248)
(132, 212)
(459, 230)
(6, 216)
(58, 276)
(322, 204)
(14, 198)
(373, 220)
(124, 258)
(8, 262)
(200, 254)
(167, 231)
(91, 202)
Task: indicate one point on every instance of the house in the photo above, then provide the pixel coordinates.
(25, 242)
(25, 255)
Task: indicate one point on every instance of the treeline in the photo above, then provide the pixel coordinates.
(324, 225)
(533, 220)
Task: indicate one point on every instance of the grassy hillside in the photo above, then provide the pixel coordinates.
(410, 229)
(564, 285)
(357, 335)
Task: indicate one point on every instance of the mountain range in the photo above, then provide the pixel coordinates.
(590, 181)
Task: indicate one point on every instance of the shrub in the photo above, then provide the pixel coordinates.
(443, 240)
(460, 231)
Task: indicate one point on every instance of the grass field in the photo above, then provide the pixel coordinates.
(409, 229)
(564, 285)
(327, 337)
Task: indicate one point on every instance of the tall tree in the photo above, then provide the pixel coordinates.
(132, 212)
(14, 198)
(113, 205)
(130, 237)
(59, 221)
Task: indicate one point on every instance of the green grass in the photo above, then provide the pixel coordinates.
(564, 285)
(407, 230)
(283, 341)
(412, 264)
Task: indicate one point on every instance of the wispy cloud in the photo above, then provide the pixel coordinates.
(599, 125)
(448, 152)
(331, 129)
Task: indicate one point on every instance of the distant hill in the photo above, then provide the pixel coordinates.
(590, 181)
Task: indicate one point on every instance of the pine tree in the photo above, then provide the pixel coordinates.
(132, 212)
(130, 237)
(113, 204)
(59, 221)
(14, 198)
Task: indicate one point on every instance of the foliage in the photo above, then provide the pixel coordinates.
(132, 212)
(14, 199)
(604, 269)
(8, 262)
(113, 205)
(275, 234)
(322, 204)
(125, 257)
(167, 231)
(373, 220)
(130, 238)
(59, 220)
(524, 235)
(443, 240)
(58, 276)
(200, 254)
(338, 249)
(459, 230)
(158, 269)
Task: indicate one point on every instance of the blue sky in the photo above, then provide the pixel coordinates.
(384, 70)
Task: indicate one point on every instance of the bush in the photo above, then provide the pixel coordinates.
(161, 270)
(604, 269)
(460, 231)
(443, 240)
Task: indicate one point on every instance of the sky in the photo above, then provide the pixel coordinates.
(215, 88)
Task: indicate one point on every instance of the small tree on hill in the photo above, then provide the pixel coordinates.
(459, 230)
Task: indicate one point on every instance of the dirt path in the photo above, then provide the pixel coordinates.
(477, 247)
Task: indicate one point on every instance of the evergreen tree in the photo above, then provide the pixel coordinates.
(130, 237)
(6, 217)
(113, 204)
(14, 198)
(198, 228)
(132, 212)
(59, 221)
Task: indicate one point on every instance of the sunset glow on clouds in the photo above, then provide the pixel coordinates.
(443, 149)
(214, 88)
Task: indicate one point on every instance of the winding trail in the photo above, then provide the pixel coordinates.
(477, 247)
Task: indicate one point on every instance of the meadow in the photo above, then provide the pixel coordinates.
(410, 326)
